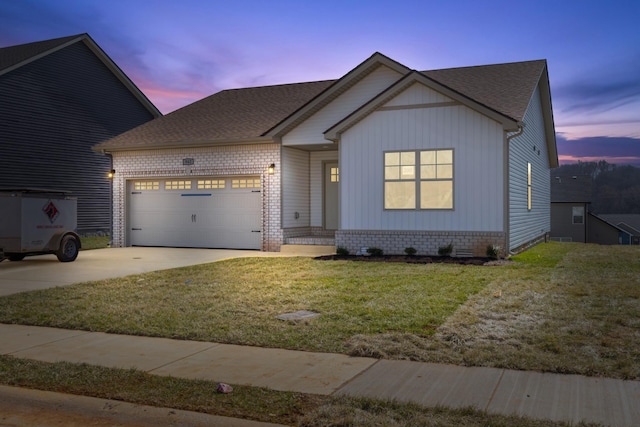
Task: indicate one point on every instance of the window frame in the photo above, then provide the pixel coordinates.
(529, 187)
(417, 180)
(573, 215)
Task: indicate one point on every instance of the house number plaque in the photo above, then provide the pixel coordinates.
(187, 162)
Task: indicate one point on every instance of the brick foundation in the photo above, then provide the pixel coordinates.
(465, 243)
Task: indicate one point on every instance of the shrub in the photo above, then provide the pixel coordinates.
(342, 251)
(493, 251)
(445, 250)
(373, 251)
(410, 251)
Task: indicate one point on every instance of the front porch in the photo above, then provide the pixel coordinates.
(309, 241)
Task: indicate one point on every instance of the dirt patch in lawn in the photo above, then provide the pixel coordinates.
(417, 259)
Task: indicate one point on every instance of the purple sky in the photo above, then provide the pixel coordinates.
(180, 51)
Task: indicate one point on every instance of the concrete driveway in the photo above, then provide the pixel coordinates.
(45, 271)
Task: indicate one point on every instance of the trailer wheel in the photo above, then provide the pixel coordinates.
(69, 247)
(16, 257)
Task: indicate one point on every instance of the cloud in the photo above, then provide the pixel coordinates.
(599, 91)
(613, 150)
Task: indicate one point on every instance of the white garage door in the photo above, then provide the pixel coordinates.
(195, 213)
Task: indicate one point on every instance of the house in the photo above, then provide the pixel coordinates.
(59, 98)
(384, 156)
(627, 227)
(570, 199)
(573, 221)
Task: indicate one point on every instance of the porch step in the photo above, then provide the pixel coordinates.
(312, 240)
(308, 250)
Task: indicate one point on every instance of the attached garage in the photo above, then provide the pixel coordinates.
(220, 212)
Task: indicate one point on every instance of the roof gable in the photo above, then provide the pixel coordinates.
(403, 84)
(337, 88)
(13, 57)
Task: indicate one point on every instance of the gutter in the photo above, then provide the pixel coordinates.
(518, 132)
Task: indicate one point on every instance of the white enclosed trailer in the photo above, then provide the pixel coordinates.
(35, 221)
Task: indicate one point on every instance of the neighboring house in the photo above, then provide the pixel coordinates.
(570, 199)
(627, 226)
(59, 98)
(385, 156)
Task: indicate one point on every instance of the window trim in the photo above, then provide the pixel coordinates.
(417, 180)
(529, 187)
(573, 215)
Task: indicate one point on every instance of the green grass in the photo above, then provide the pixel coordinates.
(237, 301)
(89, 243)
(567, 308)
(138, 387)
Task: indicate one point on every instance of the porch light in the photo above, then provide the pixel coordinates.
(111, 174)
(271, 169)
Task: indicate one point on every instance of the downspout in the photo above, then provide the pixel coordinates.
(507, 193)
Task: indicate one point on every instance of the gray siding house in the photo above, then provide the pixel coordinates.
(627, 225)
(59, 98)
(384, 156)
(570, 200)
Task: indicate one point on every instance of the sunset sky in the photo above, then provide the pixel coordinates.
(178, 52)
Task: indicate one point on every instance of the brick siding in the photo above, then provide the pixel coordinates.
(425, 242)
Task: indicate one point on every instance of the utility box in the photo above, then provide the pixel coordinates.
(35, 221)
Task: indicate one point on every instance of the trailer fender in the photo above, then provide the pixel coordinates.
(54, 243)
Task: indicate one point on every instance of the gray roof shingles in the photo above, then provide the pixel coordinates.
(238, 114)
(628, 222)
(13, 55)
(571, 189)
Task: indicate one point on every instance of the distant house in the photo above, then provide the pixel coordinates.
(384, 156)
(58, 98)
(627, 225)
(570, 199)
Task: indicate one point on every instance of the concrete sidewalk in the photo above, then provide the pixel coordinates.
(548, 396)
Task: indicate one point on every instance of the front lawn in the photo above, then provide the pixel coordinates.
(237, 301)
(567, 308)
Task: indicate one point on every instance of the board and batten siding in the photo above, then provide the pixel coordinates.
(311, 130)
(52, 111)
(530, 147)
(295, 188)
(478, 145)
(318, 160)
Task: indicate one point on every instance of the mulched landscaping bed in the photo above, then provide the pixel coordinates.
(416, 259)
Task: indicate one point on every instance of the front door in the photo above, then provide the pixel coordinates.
(331, 189)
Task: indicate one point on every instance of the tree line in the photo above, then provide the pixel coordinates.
(615, 190)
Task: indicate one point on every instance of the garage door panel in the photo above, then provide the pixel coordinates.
(212, 218)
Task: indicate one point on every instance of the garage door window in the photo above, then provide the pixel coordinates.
(146, 185)
(177, 185)
(245, 183)
(206, 184)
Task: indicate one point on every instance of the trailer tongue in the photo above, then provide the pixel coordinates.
(37, 221)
